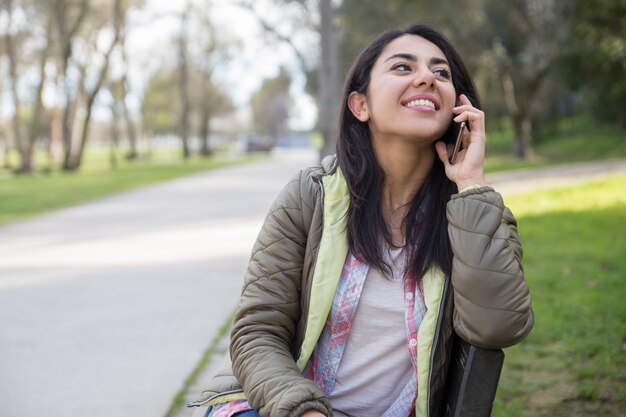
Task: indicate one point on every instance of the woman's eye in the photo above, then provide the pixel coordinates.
(442, 73)
(401, 67)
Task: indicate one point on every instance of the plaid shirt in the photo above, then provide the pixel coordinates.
(324, 363)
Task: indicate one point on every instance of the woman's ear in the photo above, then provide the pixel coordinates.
(358, 106)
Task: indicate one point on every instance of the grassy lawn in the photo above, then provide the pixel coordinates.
(574, 362)
(24, 196)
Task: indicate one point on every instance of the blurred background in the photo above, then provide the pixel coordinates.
(138, 79)
(101, 96)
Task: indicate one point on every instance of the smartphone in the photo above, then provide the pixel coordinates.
(457, 143)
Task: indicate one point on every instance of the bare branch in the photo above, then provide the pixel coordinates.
(268, 27)
(84, 8)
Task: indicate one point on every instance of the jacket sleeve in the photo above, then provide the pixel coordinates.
(491, 298)
(269, 308)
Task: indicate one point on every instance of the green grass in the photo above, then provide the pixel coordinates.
(574, 361)
(24, 196)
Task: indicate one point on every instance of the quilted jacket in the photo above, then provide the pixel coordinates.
(293, 273)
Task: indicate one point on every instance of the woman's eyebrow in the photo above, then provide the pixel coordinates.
(436, 61)
(413, 58)
(408, 57)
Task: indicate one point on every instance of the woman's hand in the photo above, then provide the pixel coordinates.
(469, 167)
(313, 413)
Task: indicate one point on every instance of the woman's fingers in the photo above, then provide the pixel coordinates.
(469, 165)
(474, 117)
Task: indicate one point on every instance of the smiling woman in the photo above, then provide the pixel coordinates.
(368, 265)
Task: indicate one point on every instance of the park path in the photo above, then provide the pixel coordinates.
(106, 307)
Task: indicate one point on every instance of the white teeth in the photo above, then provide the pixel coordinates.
(421, 103)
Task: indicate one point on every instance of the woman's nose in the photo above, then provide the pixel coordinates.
(424, 76)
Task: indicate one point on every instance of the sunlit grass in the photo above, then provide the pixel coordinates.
(574, 361)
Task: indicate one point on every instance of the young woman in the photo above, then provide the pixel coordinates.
(367, 265)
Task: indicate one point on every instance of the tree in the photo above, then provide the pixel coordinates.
(120, 93)
(26, 130)
(528, 39)
(270, 105)
(3, 140)
(596, 65)
(323, 80)
(10, 48)
(75, 157)
(209, 99)
(93, 28)
(210, 102)
(158, 109)
(328, 76)
(191, 81)
(206, 101)
(183, 85)
(68, 17)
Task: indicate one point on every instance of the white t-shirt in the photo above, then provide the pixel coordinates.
(376, 364)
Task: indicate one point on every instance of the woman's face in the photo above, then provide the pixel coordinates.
(410, 95)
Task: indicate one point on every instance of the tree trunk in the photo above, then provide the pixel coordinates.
(55, 140)
(17, 106)
(76, 160)
(520, 119)
(67, 121)
(183, 83)
(3, 152)
(35, 130)
(3, 139)
(130, 127)
(205, 131)
(328, 104)
(522, 143)
(115, 135)
(68, 127)
(91, 98)
(9, 43)
(66, 37)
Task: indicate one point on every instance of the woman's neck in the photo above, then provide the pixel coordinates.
(406, 167)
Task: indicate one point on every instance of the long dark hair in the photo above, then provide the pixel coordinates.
(427, 236)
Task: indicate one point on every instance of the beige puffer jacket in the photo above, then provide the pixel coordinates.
(302, 247)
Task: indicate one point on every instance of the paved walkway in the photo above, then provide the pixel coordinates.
(106, 307)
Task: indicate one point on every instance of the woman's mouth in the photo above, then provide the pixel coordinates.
(422, 102)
